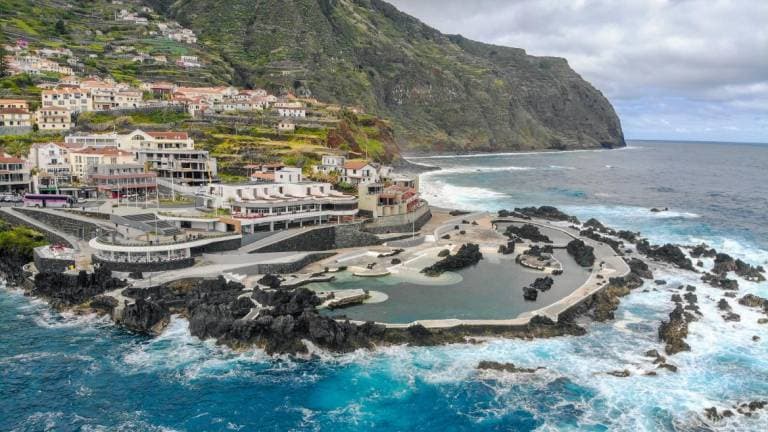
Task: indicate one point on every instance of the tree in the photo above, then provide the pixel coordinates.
(60, 27)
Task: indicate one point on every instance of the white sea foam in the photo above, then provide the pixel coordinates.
(471, 198)
(507, 154)
(188, 358)
(49, 318)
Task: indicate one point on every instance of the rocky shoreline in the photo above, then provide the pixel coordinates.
(286, 320)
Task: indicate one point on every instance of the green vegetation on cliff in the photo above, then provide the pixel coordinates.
(442, 92)
(20, 239)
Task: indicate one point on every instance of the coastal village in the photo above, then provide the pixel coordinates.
(214, 216)
(149, 206)
(279, 220)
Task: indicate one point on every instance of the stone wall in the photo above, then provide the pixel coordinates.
(352, 235)
(52, 265)
(15, 130)
(144, 267)
(222, 246)
(325, 238)
(314, 240)
(292, 267)
(49, 235)
(73, 227)
(400, 223)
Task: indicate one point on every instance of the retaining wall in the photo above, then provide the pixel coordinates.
(90, 214)
(15, 130)
(284, 267)
(52, 265)
(222, 246)
(325, 238)
(73, 227)
(399, 223)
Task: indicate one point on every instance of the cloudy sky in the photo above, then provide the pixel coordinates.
(674, 69)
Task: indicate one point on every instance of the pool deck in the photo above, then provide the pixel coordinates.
(607, 265)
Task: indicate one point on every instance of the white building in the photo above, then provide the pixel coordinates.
(188, 61)
(14, 175)
(81, 160)
(286, 126)
(72, 99)
(181, 166)
(93, 140)
(330, 164)
(15, 118)
(290, 109)
(51, 160)
(140, 140)
(289, 202)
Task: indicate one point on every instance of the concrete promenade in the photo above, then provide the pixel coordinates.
(219, 264)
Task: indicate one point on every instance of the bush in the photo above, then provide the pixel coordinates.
(19, 238)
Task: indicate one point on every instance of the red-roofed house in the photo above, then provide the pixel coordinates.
(359, 172)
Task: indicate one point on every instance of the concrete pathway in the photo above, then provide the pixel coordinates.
(449, 224)
(239, 267)
(277, 237)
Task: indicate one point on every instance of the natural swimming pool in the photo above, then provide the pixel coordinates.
(492, 289)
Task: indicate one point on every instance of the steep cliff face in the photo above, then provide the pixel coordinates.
(442, 92)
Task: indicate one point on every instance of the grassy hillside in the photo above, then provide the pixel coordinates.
(104, 45)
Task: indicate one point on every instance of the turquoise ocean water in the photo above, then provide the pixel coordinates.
(62, 372)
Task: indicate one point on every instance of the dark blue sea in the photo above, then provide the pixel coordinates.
(68, 373)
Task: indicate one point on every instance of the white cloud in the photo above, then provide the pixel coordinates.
(643, 54)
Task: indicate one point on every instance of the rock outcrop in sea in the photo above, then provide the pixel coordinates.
(63, 290)
(668, 253)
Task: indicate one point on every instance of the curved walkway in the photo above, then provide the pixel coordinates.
(450, 223)
(276, 237)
